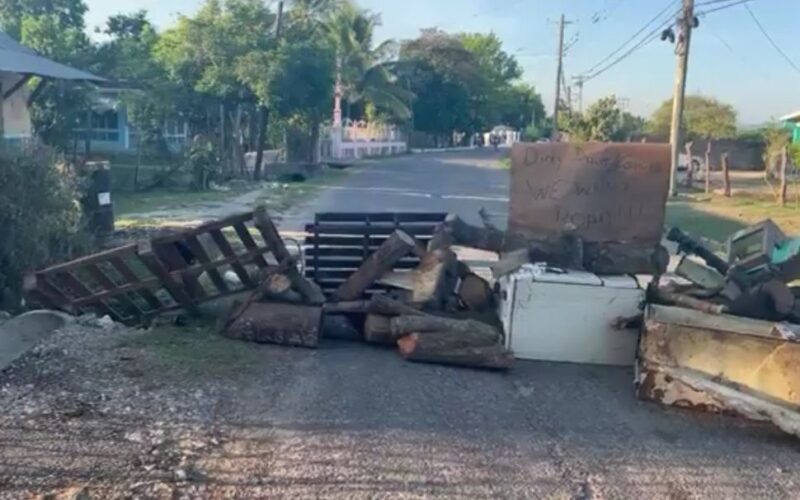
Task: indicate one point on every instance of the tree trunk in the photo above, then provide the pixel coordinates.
(392, 250)
(273, 323)
(435, 279)
(278, 288)
(690, 166)
(708, 167)
(87, 147)
(403, 325)
(138, 164)
(726, 175)
(385, 306)
(784, 166)
(430, 348)
(377, 330)
(475, 292)
(261, 141)
(222, 144)
(310, 291)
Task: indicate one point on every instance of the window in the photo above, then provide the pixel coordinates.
(105, 126)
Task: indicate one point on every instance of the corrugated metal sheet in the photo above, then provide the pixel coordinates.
(16, 58)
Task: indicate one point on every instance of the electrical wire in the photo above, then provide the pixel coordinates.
(655, 19)
(722, 7)
(770, 39)
(649, 38)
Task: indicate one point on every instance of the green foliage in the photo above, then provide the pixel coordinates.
(39, 213)
(704, 117)
(603, 121)
(64, 13)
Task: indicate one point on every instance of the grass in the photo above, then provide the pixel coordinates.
(128, 205)
(716, 217)
(194, 350)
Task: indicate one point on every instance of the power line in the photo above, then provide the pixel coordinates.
(723, 7)
(655, 19)
(771, 41)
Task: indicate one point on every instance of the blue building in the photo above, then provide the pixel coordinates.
(792, 122)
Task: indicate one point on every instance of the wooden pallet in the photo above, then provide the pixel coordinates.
(134, 283)
(337, 243)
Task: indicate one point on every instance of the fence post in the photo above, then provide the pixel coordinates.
(708, 167)
(784, 164)
(726, 176)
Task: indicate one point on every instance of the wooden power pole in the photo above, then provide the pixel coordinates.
(684, 36)
(558, 75)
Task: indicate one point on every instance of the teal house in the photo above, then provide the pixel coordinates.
(792, 122)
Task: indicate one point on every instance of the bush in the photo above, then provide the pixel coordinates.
(40, 217)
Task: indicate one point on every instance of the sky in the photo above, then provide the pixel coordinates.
(730, 58)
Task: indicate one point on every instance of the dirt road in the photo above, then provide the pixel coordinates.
(183, 413)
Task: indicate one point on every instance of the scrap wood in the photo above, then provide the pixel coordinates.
(668, 297)
(434, 280)
(382, 260)
(428, 348)
(403, 325)
(475, 292)
(387, 306)
(403, 280)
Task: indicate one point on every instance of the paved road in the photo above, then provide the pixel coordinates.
(447, 182)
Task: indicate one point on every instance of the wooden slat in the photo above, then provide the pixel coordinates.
(170, 284)
(173, 260)
(203, 228)
(249, 243)
(89, 259)
(80, 291)
(353, 264)
(197, 249)
(380, 217)
(227, 251)
(130, 277)
(106, 283)
(353, 241)
(39, 284)
(373, 230)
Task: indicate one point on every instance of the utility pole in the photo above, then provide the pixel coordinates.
(683, 41)
(559, 70)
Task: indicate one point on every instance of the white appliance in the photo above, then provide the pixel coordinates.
(558, 315)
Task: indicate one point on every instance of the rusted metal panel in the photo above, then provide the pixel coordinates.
(601, 192)
(717, 363)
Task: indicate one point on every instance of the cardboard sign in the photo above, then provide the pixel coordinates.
(602, 192)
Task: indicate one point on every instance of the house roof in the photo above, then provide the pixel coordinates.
(16, 58)
(792, 117)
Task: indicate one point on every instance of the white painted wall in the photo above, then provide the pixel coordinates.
(16, 115)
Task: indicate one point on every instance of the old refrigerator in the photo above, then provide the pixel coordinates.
(553, 314)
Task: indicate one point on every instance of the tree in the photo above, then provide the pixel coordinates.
(603, 121)
(366, 73)
(65, 13)
(704, 118)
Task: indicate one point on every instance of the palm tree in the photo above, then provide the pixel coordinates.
(365, 73)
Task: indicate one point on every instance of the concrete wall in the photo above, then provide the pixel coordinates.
(742, 155)
(16, 115)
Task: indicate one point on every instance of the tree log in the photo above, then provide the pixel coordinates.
(377, 330)
(430, 348)
(615, 258)
(475, 292)
(403, 325)
(354, 306)
(386, 306)
(274, 323)
(311, 292)
(403, 280)
(677, 299)
(435, 279)
(382, 260)
(278, 288)
(485, 238)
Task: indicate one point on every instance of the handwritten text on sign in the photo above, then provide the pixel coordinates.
(602, 192)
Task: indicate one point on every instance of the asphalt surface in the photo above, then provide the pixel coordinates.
(543, 430)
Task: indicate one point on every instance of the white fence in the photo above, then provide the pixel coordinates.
(355, 140)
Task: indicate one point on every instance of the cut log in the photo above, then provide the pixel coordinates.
(429, 348)
(339, 327)
(475, 292)
(485, 238)
(392, 250)
(668, 297)
(354, 306)
(403, 325)
(386, 306)
(275, 323)
(377, 330)
(435, 279)
(278, 288)
(615, 258)
(310, 291)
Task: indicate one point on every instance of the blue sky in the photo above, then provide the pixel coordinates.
(730, 59)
